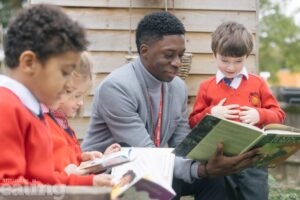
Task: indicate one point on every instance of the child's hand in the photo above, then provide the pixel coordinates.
(90, 155)
(228, 112)
(249, 115)
(73, 169)
(112, 148)
(103, 180)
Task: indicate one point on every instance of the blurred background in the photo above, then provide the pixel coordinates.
(278, 62)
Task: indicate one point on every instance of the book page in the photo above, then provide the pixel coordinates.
(281, 127)
(229, 132)
(276, 148)
(153, 165)
(110, 160)
(159, 161)
(235, 136)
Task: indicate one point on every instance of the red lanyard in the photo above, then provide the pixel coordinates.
(157, 130)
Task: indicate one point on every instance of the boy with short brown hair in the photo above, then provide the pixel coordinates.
(235, 94)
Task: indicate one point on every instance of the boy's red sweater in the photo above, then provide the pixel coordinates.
(27, 148)
(252, 92)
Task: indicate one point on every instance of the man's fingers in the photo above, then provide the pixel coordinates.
(219, 150)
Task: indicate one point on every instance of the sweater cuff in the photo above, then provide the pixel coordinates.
(194, 170)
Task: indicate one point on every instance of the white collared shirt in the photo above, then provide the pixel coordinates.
(22, 92)
(236, 81)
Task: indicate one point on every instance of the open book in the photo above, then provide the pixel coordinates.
(276, 141)
(108, 161)
(149, 176)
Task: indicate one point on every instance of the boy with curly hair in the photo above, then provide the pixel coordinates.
(42, 48)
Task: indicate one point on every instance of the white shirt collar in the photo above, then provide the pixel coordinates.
(22, 92)
(236, 80)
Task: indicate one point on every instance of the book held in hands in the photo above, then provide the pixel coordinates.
(276, 141)
(149, 176)
(108, 161)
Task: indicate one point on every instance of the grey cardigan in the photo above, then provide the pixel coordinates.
(121, 113)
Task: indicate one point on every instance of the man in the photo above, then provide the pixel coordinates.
(144, 104)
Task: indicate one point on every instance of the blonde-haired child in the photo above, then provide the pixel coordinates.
(66, 148)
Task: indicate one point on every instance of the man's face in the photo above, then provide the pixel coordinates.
(162, 58)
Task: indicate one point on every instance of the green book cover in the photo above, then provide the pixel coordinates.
(201, 142)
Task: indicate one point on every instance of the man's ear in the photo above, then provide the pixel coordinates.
(144, 48)
(28, 62)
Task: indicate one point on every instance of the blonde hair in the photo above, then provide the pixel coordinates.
(84, 69)
(83, 73)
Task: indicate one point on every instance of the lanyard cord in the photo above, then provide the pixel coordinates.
(157, 129)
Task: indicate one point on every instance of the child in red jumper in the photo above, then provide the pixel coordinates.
(67, 151)
(42, 48)
(237, 95)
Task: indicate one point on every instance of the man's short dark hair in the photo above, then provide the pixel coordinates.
(45, 30)
(156, 25)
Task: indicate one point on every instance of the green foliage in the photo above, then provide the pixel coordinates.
(279, 39)
(9, 8)
(277, 192)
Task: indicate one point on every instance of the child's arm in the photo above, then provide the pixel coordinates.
(201, 107)
(270, 111)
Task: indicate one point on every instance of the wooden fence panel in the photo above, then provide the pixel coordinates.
(242, 5)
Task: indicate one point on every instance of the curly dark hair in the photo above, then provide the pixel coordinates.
(156, 25)
(45, 30)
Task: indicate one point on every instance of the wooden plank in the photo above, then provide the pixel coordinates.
(46, 192)
(106, 62)
(194, 21)
(205, 64)
(110, 41)
(248, 5)
(208, 21)
(105, 3)
(120, 41)
(200, 43)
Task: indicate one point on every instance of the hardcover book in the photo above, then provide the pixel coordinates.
(276, 141)
(108, 161)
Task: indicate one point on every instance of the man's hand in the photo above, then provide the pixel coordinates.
(228, 112)
(220, 165)
(249, 115)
